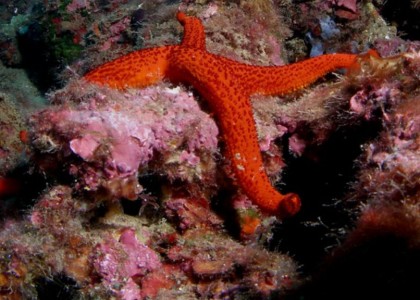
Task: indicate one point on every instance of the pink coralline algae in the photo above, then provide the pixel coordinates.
(189, 234)
(402, 141)
(116, 255)
(377, 255)
(115, 135)
(365, 102)
(191, 213)
(124, 261)
(78, 4)
(351, 5)
(116, 31)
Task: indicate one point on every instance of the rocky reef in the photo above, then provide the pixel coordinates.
(127, 194)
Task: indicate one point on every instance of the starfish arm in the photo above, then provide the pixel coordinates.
(233, 111)
(285, 79)
(227, 86)
(194, 35)
(136, 69)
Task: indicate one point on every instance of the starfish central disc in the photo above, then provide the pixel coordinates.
(227, 85)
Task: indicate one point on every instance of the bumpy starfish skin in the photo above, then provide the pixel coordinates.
(148, 66)
(136, 69)
(279, 80)
(218, 85)
(227, 85)
(193, 32)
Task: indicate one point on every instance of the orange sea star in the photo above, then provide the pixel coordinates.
(227, 85)
(194, 35)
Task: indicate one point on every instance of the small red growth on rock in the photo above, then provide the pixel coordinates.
(249, 225)
(23, 136)
(9, 186)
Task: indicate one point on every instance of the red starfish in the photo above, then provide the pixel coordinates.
(193, 32)
(148, 66)
(227, 85)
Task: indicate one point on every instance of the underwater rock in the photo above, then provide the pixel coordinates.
(184, 233)
(109, 138)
